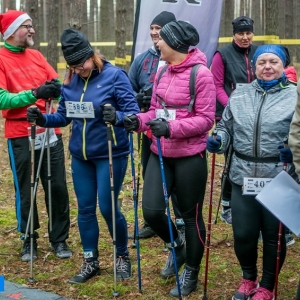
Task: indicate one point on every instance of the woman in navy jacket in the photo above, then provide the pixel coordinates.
(91, 83)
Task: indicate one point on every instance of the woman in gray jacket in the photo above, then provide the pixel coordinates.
(257, 119)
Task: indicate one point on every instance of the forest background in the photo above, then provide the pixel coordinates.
(109, 26)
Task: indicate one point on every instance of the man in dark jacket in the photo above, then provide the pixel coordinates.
(231, 66)
(141, 74)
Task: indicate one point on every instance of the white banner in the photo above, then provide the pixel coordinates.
(205, 15)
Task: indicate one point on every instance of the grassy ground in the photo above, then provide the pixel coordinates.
(51, 274)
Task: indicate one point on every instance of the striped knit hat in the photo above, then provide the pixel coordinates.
(75, 47)
(11, 21)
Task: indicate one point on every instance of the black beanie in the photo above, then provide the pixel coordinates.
(242, 24)
(287, 54)
(75, 47)
(180, 35)
(163, 18)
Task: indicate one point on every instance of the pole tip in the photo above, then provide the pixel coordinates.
(115, 294)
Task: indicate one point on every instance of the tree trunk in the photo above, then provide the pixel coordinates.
(297, 12)
(222, 25)
(92, 21)
(129, 28)
(33, 12)
(120, 54)
(107, 27)
(257, 17)
(75, 21)
(52, 51)
(281, 19)
(229, 16)
(271, 11)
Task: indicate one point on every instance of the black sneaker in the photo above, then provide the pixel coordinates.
(26, 254)
(169, 270)
(88, 270)
(61, 250)
(226, 216)
(289, 239)
(123, 266)
(188, 281)
(144, 233)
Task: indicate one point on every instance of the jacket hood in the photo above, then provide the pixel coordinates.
(195, 56)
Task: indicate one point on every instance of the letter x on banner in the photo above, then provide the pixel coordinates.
(205, 15)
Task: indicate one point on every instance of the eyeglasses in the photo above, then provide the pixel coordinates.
(28, 27)
(78, 67)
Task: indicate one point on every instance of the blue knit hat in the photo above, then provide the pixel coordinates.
(269, 48)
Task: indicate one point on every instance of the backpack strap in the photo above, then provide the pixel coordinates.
(192, 84)
(193, 77)
(164, 69)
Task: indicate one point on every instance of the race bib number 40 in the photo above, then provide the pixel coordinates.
(253, 186)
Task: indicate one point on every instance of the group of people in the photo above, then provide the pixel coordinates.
(247, 93)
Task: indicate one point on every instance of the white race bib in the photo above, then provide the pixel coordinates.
(252, 185)
(40, 136)
(80, 109)
(168, 115)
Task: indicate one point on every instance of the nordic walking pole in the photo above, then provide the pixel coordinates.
(140, 151)
(49, 171)
(214, 134)
(135, 201)
(285, 145)
(164, 183)
(38, 172)
(223, 179)
(111, 174)
(33, 133)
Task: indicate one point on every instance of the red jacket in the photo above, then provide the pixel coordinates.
(290, 73)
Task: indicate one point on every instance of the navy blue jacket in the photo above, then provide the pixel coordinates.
(143, 70)
(89, 135)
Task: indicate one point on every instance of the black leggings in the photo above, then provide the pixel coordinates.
(188, 175)
(248, 218)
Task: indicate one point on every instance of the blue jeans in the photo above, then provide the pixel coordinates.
(91, 177)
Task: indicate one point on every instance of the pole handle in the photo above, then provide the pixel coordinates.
(215, 133)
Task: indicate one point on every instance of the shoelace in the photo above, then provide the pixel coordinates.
(246, 287)
(62, 247)
(27, 248)
(121, 264)
(86, 269)
(185, 276)
(262, 294)
(169, 262)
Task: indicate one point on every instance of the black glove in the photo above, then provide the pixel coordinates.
(214, 145)
(285, 155)
(131, 123)
(159, 127)
(139, 99)
(34, 114)
(109, 114)
(48, 90)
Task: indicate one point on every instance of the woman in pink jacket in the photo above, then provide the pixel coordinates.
(183, 128)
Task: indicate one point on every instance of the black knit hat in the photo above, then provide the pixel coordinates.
(242, 24)
(75, 47)
(180, 35)
(163, 18)
(288, 58)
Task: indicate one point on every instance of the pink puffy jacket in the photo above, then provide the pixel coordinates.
(188, 133)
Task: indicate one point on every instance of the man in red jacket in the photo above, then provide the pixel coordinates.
(27, 78)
